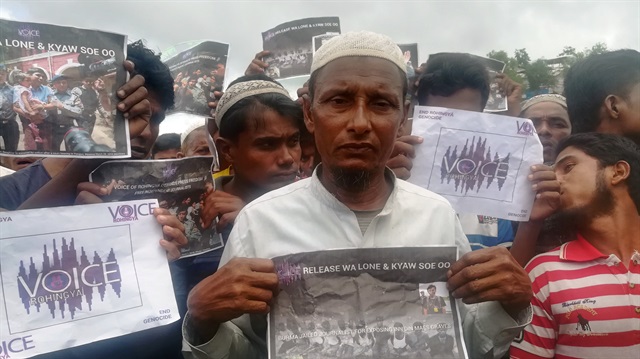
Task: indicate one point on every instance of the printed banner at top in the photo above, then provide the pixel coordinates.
(293, 43)
(197, 73)
(66, 282)
(58, 85)
(366, 303)
(478, 161)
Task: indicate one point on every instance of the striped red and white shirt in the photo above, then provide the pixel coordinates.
(585, 305)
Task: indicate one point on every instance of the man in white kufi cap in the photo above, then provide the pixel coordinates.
(355, 109)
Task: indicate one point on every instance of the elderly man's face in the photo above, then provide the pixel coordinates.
(3, 76)
(356, 110)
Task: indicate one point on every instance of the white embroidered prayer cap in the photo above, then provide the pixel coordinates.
(243, 90)
(360, 43)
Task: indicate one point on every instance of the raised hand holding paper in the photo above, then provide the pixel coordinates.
(68, 282)
(58, 84)
(478, 161)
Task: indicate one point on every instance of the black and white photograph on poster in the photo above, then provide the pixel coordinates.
(57, 91)
(365, 303)
(320, 40)
(291, 45)
(410, 52)
(198, 72)
(179, 186)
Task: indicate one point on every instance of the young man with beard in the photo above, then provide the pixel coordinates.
(355, 109)
(587, 292)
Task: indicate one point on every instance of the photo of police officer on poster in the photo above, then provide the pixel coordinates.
(57, 91)
(179, 186)
(198, 72)
(365, 303)
(292, 45)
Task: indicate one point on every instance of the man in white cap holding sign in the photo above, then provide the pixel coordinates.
(355, 108)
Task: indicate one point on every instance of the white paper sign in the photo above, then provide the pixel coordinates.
(477, 161)
(75, 275)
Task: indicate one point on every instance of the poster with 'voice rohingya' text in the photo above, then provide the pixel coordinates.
(478, 161)
(76, 275)
(365, 303)
(58, 91)
(179, 185)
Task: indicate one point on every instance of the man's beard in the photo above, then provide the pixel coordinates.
(601, 204)
(351, 180)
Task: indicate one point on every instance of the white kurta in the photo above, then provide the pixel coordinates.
(304, 217)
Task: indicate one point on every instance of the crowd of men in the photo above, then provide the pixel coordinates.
(528, 290)
(46, 110)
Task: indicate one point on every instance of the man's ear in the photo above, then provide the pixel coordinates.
(612, 105)
(621, 172)
(308, 117)
(405, 123)
(180, 155)
(225, 149)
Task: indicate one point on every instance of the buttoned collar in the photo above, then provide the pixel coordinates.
(580, 250)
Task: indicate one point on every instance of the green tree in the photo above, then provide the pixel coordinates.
(522, 58)
(511, 65)
(539, 75)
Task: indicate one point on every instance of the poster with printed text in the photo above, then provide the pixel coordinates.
(293, 44)
(477, 161)
(67, 282)
(58, 91)
(179, 186)
(198, 72)
(365, 303)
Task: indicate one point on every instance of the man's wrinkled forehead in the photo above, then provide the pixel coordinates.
(336, 75)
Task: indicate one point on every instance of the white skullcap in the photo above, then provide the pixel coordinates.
(555, 98)
(243, 90)
(361, 43)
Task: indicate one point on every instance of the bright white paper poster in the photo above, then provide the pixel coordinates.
(477, 161)
(67, 282)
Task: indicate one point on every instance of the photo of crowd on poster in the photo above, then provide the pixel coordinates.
(179, 186)
(198, 72)
(373, 312)
(292, 46)
(57, 91)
